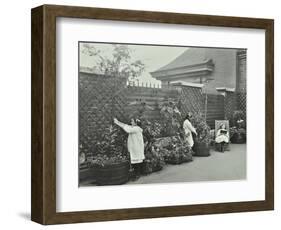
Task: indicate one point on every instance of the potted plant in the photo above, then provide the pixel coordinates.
(86, 173)
(202, 140)
(111, 162)
(238, 131)
(177, 152)
(153, 159)
(237, 135)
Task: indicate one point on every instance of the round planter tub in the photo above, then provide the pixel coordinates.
(201, 149)
(112, 174)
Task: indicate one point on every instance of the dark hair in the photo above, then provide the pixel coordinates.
(137, 121)
(187, 117)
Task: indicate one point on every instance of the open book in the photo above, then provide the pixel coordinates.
(223, 131)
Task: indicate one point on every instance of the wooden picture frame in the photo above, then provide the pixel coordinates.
(43, 202)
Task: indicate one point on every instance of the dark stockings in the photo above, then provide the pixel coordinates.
(137, 170)
(222, 146)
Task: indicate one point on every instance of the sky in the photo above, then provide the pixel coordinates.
(153, 57)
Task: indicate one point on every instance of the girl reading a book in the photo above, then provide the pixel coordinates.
(222, 137)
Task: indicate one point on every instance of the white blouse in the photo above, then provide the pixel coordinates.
(188, 129)
(135, 143)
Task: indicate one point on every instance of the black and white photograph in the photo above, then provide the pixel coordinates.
(161, 114)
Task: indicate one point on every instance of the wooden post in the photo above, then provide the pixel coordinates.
(206, 105)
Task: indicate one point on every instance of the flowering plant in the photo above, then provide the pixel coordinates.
(174, 150)
(154, 161)
(202, 128)
(237, 135)
(238, 130)
(171, 118)
(177, 151)
(238, 119)
(103, 160)
(111, 147)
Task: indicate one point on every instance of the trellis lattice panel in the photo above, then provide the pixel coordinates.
(101, 99)
(191, 100)
(235, 101)
(230, 105)
(151, 97)
(242, 101)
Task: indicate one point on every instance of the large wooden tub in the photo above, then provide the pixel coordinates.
(112, 174)
(201, 149)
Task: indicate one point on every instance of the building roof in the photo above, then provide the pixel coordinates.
(190, 84)
(191, 56)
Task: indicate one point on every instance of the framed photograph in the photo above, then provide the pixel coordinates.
(139, 114)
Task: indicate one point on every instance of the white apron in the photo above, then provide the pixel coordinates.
(222, 137)
(135, 143)
(188, 129)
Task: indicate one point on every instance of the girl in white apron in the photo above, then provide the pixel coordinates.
(188, 130)
(135, 143)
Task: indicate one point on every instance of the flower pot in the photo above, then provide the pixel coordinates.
(174, 161)
(186, 158)
(201, 149)
(148, 168)
(238, 138)
(112, 174)
(86, 174)
(178, 160)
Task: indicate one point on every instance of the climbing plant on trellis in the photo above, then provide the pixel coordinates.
(100, 99)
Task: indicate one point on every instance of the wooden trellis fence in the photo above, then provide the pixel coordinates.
(101, 98)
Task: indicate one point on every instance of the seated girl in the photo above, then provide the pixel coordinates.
(222, 137)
